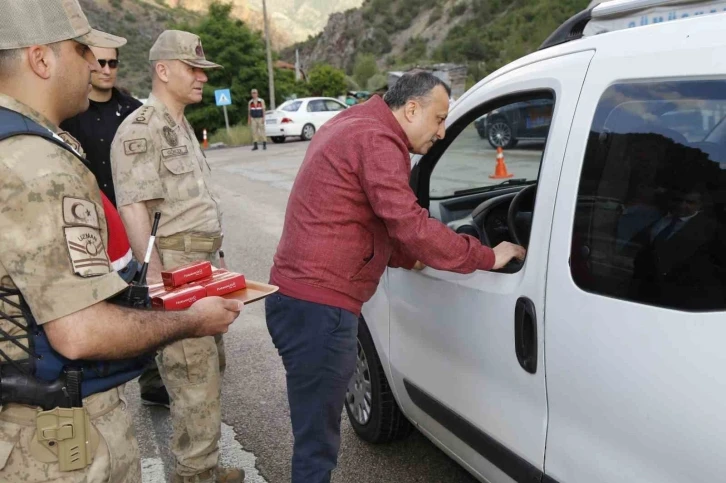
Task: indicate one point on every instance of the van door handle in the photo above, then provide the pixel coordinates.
(525, 334)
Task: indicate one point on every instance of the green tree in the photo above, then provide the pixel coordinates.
(377, 81)
(286, 87)
(326, 80)
(365, 68)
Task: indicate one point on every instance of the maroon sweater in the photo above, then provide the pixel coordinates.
(351, 213)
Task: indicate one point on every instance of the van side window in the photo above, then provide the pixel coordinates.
(650, 220)
(470, 161)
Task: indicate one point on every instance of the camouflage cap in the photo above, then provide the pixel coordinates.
(40, 22)
(179, 45)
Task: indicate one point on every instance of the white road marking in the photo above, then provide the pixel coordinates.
(231, 455)
(152, 470)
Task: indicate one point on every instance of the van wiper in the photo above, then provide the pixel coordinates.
(484, 189)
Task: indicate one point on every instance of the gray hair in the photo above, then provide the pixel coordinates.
(416, 86)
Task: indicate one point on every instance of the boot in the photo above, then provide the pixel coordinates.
(229, 475)
(255, 148)
(264, 145)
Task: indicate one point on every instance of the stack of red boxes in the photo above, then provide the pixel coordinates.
(185, 285)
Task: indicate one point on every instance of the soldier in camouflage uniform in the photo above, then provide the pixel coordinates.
(158, 165)
(256, 119)
(54, 270)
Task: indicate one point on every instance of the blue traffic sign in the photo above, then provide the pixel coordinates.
(223, 97)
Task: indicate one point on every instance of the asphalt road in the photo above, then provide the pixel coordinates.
(254, 187)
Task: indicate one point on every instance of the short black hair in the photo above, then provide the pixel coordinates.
(413, 86)
(8, 61)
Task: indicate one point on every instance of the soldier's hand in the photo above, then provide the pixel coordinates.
(505, 252)
(215, 314)
(418, 266)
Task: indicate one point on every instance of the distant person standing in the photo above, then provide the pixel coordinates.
(256, 120)
(96, 127)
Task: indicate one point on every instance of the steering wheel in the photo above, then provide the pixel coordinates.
(512, 214)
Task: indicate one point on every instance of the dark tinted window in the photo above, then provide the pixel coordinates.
(316, 106)
(651, 210)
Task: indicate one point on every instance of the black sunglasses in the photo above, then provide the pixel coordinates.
(112, 63)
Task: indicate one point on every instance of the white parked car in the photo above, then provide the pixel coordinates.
(300, 117)
(599, 358)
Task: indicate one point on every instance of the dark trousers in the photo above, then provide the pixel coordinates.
(318, 347)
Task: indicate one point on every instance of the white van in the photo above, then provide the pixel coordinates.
(598, 359)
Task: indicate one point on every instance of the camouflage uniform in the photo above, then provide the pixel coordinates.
(159, 161)
(50, 203)
(256, 110)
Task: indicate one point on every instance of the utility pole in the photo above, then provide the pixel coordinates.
(297, 64)
(270, 74)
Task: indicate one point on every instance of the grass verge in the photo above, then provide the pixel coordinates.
(239, 135)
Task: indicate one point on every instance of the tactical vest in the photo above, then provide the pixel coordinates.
(256, 109)
(43, 361)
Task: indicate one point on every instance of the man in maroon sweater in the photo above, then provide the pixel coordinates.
(351, 213)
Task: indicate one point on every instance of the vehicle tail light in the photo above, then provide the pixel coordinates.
(285, 120)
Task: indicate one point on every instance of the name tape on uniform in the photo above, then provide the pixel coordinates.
(173, 152)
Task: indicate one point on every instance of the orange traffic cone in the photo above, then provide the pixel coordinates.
(205, 143)
(500, 172)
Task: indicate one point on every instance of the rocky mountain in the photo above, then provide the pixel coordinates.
(292, 20)
(483, 34)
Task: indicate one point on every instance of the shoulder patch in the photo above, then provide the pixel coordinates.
(85, 247)
(144, 115)
(70, 140)
(79, 212)
(135, 146)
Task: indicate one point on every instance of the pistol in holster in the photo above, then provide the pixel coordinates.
(65, 430)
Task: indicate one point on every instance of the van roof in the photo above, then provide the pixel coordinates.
(616, 15)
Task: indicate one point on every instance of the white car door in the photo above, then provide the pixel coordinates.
(317, 113)
(466, 351)
(635, 306)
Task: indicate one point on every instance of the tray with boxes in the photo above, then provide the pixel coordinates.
(182, 286)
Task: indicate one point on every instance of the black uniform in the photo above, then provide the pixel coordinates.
(95, 130)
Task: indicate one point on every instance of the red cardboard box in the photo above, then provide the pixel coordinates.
(222, 282)
(177, 299)
(186, 274)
